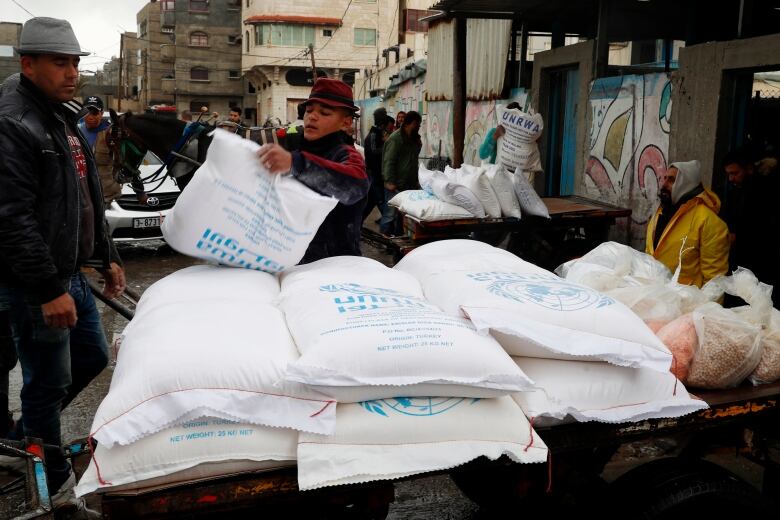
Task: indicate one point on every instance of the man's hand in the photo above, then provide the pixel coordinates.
(60, 313)
(390, 186)
(500, 131)
(275, 158)
(114, 281)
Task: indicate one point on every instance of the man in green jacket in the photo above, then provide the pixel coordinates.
(399, 167)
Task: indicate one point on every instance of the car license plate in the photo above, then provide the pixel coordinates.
(147, 222)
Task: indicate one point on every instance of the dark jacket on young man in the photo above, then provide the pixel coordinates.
(42, 232)
(332, 166)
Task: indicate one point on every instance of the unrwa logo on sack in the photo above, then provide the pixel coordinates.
(358, 297)
(415, 406)
(520, 121)
(549, 292)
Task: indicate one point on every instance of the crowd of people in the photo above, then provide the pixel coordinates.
(55, 179)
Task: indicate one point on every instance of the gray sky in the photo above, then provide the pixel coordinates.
(97, 23)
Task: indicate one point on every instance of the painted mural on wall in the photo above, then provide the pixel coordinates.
(480, 118)
(628, 147)
(437, 129)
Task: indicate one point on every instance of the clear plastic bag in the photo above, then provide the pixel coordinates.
(729, 348)
(681, 339)
(768, 369)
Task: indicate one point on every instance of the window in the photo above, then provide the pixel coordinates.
(234, 39)
(199, 74)
(411, 20)
(167, 5)
(284, 35)
(365, 36)
(139, 57)
(199, 39)
(199, 6)
(247, 41)
(327, 33)
(234, 74)
(6, 51)
(234, 4)
(142, 29)
(251, 88)
(168, 75)
(195, 107)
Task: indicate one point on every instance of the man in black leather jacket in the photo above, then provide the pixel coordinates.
(51, 225)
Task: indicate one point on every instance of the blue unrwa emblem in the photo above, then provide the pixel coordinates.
(415, 406)
(548, 292)
(353, 297)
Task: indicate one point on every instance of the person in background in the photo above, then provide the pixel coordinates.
(96, 130)
(752, 215)
(489, 148)
(52, 224)
(686, 228)
(186, 116)
(374, 143)
(400, 155)
(329, 165)
(234, 115)
(399, 119)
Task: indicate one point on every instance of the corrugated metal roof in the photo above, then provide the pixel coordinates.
(441, 56)
(487, 48)
(283, 18)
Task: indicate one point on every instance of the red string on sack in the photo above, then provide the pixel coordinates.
(531, 428)
(322, 409)
(549, 472)
(90, 443)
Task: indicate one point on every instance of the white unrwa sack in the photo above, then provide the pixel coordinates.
(423, 206)
(395, 438)
(592, 391)
(208, 282)
(206, 357)
(366, 332)
(502, 183)
(436, 183)
(529, 200)
(517, 148)
(529, 310)
(196, 450)
(236, 213)
(474, 178)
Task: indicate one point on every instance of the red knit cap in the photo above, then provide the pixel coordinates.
(332, 93)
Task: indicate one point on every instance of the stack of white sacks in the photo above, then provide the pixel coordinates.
(209, 381)
(228, 370)
(488, 191)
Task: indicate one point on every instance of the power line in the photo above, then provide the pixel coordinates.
(23, 8)
(341, 24)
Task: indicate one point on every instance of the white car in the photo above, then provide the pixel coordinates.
(130, 220)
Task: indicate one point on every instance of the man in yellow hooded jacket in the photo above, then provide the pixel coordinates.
(686, 229)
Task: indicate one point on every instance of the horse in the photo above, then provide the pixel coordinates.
(180, 147)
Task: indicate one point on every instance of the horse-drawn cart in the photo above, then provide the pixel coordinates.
(576, 225)
(742, 423)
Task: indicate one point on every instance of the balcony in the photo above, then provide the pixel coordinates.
(168, 53)
(168, 18)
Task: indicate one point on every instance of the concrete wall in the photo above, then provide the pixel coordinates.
(700, 95)
(580, 55)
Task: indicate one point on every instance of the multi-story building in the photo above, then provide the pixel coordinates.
(189, 55)
(346, 37)
(9, 38)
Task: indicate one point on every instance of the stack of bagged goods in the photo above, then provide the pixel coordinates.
(201, 367)
(615, 368)
(517, 148)
(487, 191)
(236, 213)
(366, 335)
(365, 331)
(712, 347)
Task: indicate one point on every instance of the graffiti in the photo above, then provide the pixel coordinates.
(629, 142)
(438, 129)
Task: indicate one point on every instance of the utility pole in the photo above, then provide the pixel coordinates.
(313, 64)
(121, 66)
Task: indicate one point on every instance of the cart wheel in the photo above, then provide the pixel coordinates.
(681, 488)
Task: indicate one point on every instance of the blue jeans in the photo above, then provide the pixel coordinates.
(389, 223)
(56, 364)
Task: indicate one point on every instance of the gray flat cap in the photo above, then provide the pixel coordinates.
(44, 35)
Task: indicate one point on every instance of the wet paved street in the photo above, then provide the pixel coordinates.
(428, 498)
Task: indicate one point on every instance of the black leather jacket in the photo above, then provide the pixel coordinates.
(39, 196)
